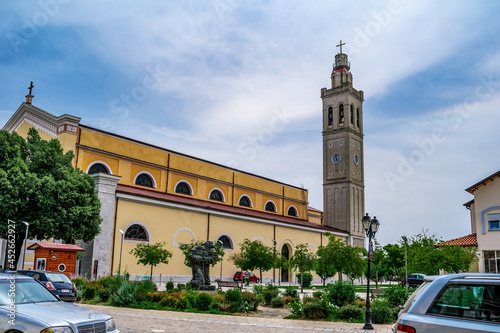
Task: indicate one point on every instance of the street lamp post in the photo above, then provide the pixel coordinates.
(221, 244)
(406, 264)
(371, 227)
(25, 243)
(274, 257)
(121, 248)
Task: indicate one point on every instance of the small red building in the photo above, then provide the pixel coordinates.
(55, 257)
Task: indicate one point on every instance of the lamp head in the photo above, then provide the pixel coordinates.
(375, 225)
(366, 222)
(121, 231)
(25, 223)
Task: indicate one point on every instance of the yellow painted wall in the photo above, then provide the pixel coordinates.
(123, 147)
(163, 223)
(200, 168)
(257, 183)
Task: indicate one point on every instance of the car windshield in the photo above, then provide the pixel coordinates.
(24, 291)
(58, 278)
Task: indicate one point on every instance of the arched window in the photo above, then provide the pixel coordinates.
(245, 201)
(270, 207)
(292, 211)
(216, 195)
(330, 116)
(226, 242)
(98, 168)
(352, 114)
(357, 117)
(183, 188)
(136, 232)
(144, 180)
(341, 114)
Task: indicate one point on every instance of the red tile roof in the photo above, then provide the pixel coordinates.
(56, 246)
(469, 240)
(181, 199)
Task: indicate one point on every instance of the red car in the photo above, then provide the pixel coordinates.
(242, 276)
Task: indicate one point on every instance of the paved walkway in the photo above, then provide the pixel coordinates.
(142, 321)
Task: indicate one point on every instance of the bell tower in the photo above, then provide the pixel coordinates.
(343, 162)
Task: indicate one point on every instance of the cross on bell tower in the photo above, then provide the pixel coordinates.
(29, 97)
(343, 162)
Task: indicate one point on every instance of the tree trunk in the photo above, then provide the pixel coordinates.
(151, 275)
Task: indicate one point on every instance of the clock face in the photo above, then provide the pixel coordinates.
(356, 160)
(336, 159)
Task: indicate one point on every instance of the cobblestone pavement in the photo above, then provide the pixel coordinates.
(142, 321)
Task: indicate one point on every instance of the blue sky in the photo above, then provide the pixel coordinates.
(238, 83)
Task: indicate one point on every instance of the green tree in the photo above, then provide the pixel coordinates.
(394, 261)
(354, 262)
(255, 255)
(303, 260)
(456, 258)
(328, 258)
(39, 185)
(187, 247)
(151, 254)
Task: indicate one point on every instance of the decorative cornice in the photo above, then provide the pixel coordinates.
(42, 120)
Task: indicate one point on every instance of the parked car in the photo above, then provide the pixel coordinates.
(27, 306)
(415, 280)
(58, 283)
(242, 276)
(456, 303)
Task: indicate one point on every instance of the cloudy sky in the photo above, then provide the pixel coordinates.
(238, 83)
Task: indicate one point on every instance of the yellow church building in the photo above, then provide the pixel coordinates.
(153, 194)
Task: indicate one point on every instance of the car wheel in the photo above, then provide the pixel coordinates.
(257, 281)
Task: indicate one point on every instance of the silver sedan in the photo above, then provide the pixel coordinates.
(26, 306)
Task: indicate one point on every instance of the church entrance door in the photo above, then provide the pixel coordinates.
(285, 252)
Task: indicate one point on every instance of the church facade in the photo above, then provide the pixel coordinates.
(153, 194)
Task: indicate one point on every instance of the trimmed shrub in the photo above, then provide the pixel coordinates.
(233, 295)
(203, 301)
(251, 299)
(341, 293)
(382, 312)
(396, 295)
(218, 298)
(104, 294)
(318, 294)
(351, 313)
(291, 291)
(269, 295)
(170, 285)
(307, 279)
(89, 292)
(169, 301)
(277, 302)
(315, 310)
(182, 304)
(234, 307)
(181, 286)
